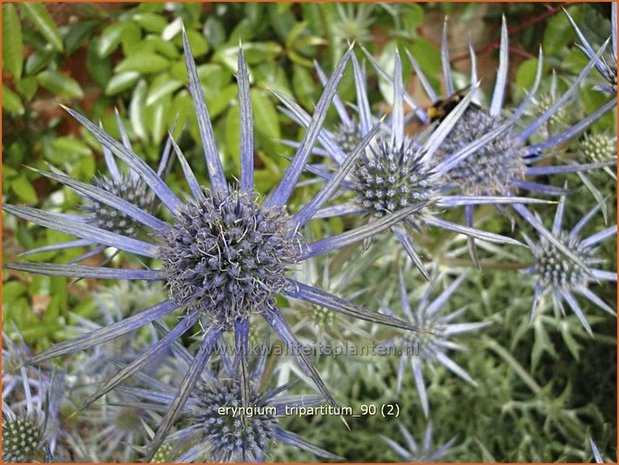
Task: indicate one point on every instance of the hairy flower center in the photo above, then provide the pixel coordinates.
(494, 168)
(133, 190)
(229, 256)
(235, 433)
(556, 270)
(392, 179)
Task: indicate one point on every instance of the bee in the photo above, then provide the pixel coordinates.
(441, 108)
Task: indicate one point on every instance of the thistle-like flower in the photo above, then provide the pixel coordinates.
(25, 407)
(397, 173)
(424, 453)
(606, 67)
(430, 344)
(125, 185)
(560, 277)
(217, 424)
(501, 166)
(225, 255)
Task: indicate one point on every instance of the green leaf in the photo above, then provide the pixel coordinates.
(11, 102)
(558, 33)
(78, 34)
(41, 19)
(159, 113)
(144, 63)
(137, 113)
(110, 38)
(59, 84)
(151, 22)
(411, 16)
(121, 82)
(214, 31)
(233, 133)
(525, 75)
(70, 146)
(304, 88)
(165, 48)
(24, 190)
(162, 86)
(39, 60)
(265, 115)
(12, 42)
(100, 70)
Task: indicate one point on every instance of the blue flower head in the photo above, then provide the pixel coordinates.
(30, 428)
(225, 253)
(562, 278)
(431, 343)
(400, 181)
(216, 424)
(502, 165)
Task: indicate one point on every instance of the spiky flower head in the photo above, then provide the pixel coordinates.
(495, 168)
(229, 256)
(22, 439)
(206, 246)
(398, 180)
(562, 277)
(347, 136)
(599, 147)
(223, 423)
(391, 177)
(431, 343)
(502, 165)
(423, 453)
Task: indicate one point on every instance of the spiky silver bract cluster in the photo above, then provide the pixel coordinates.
(390, 178)
(238, 438)
(493, 168)
(558, 271)
(228, 256)
(131, 189)
(599, 147)
(22, 439)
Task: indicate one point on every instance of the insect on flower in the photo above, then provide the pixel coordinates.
(397, 172)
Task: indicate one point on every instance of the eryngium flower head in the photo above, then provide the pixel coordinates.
(599, 147)
(425, 453)
(229, 256)
(25, 406)
(248, 426)
(210, 236)
(607, 67)
(430, 344)
(22, 438)
(562, 277)
(398, 179)
(501, 165)
(494, 168)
